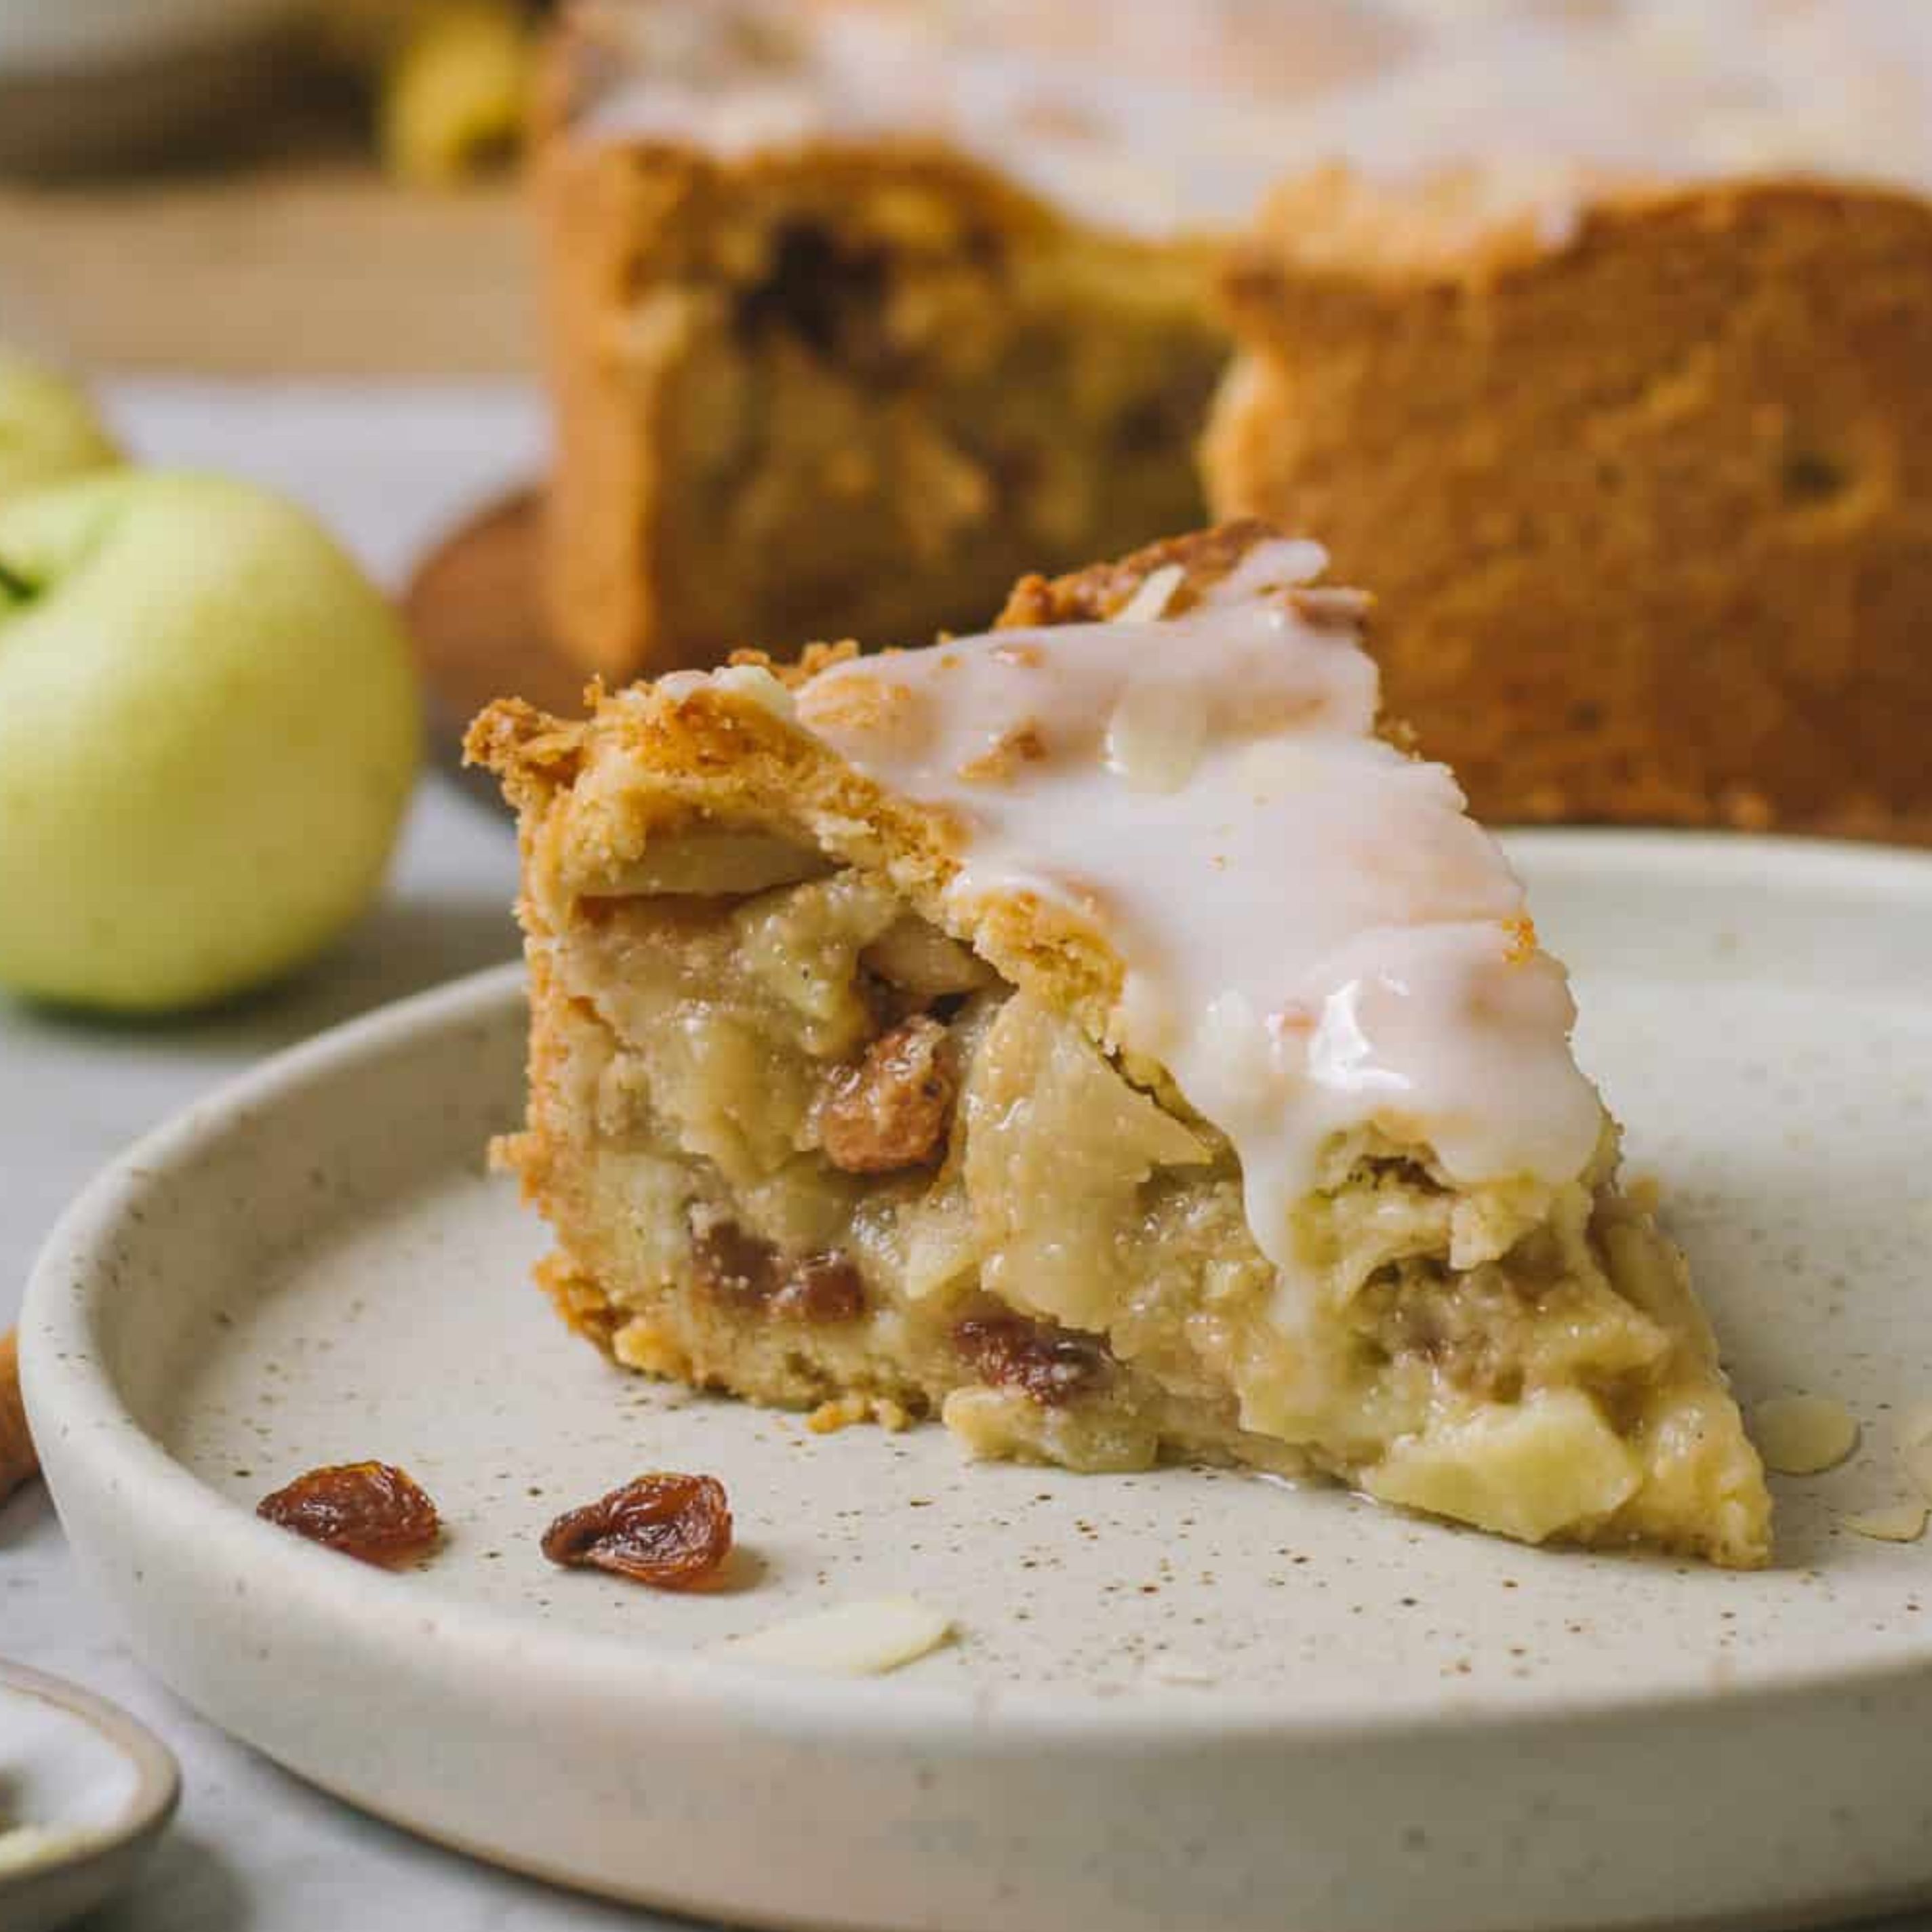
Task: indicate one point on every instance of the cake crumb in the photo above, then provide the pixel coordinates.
(1522, 934)
(843, 1411)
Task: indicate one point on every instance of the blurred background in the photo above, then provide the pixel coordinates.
(238, 186)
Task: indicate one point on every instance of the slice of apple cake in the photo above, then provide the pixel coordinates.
(1095, 1033)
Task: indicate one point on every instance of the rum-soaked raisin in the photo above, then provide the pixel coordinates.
(731, 1264)
(751, 1276)
(821, 1289)
(1053, 1365)
(894, 1109)
(371, 1511)
(669, 1531)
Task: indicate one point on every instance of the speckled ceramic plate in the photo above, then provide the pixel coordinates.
(1183, 1700)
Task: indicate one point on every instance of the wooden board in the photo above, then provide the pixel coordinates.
(474, 612)
(309, 266)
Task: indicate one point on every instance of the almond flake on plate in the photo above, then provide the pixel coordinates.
(1896, 1523)
(1803, 1435)
(864, 1640)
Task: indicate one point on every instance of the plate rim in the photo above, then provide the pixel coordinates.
(89, 1436)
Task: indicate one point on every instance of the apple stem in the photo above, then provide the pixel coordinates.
(13, 585)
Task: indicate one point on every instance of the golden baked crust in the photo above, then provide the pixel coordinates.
(677, 754)
(1100, 590)
(1639, 474)
(840, 387)
(808, 1130)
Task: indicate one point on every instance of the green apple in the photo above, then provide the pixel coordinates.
(48, 428)
(208, 731)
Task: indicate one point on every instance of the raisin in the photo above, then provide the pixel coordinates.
(826, 290)
(669, 1531)
(733, 1265)
(822, 1288)
(892, 1110)
(740, 1268)
(1053, 1365)
(371, 1511)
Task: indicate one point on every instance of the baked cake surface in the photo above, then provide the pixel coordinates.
(1641, 470)
(1095, 1032)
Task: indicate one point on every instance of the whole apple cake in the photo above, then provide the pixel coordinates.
(856, 308)
(1095, 1033)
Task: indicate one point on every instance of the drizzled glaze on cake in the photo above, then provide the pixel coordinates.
(1180, 115)
(1316, 938)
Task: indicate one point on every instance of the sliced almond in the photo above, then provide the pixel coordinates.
(1151, 600)
(1896, 1523)
(1914, 1426)
(1803, 1435)
(864, 1640)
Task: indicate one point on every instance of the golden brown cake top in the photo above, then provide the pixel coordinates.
(1168, 807)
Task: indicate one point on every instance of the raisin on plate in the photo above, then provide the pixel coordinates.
(668, 1531)
(371, 1511)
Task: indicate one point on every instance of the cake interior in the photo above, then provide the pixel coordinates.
(878, 395)
(799, 1144)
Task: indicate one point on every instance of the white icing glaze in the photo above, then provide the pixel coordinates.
(1183, 114)
(1316, 938)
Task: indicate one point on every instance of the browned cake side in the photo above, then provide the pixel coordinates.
(846, 388)
(1643, 485)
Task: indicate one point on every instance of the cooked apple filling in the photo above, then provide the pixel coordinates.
(825, 1152)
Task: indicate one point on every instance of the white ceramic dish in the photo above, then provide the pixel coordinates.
(1182, 1700)
(93, 1788)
